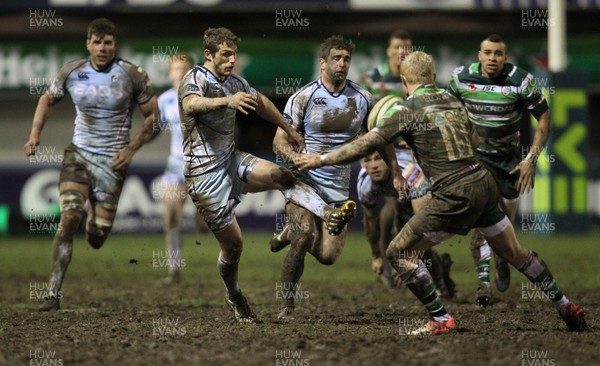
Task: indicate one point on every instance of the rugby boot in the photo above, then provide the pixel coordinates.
(50, 303)
(574, 317)
(287, 313)
(433, 327)
(280, 241)
(340, 216)
(241, 309)
(483, 296)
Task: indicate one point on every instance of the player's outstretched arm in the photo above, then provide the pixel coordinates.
(526, 168)
(267, 110)
(43, 111)
(352, 151)
(371, 225)
(282, 146)
(195, 104)
(150, 129)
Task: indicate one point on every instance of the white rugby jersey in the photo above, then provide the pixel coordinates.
(327, 121)
(104, 102)
(208, 138)
(169, 116)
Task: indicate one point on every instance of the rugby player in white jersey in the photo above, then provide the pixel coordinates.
(172, 188)
(216, 173)
(327, 112)
(105, 90)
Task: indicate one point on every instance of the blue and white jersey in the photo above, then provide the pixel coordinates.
(208, 138)
(104, 102)
(328, 121)
(369, 190)
(169, 116)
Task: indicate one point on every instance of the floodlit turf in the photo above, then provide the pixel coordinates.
(569, 257)
(116, 310)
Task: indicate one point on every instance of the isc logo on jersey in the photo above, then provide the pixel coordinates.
(380, 108)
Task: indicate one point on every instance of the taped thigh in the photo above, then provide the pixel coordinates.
(71, 200)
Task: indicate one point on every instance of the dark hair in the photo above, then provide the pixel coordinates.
(336, 42)
(494, 38)
(400, 34)
(101, 27)
(214, 37)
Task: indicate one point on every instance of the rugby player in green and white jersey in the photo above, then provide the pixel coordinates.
(385, 79)
(464, 194)
(495, 94)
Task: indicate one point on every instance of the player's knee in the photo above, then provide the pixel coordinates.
(328, 259)
(283, 176)
(97, 230)
(71, 200)
(301, 240)
(71, 208)
(232, 254)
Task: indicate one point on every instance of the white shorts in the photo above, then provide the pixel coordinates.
(216, 193)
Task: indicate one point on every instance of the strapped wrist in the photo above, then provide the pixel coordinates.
(531, 158)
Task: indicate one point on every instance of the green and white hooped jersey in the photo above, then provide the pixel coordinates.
(495, 106)
(380, 82)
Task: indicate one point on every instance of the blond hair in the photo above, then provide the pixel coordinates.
(418, 68)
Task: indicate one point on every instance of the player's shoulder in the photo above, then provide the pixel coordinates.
(515, 75)
(307, 90)
(73, 65)
(356, 88)
(128, 66)
(466, 70)
(235, 78)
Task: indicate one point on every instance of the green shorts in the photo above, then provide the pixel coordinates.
(96, 171)
(500, 168)
(470, 202)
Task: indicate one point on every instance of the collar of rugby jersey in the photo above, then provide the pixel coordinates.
(425, 88)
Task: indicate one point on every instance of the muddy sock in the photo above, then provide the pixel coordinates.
(62, 250)
(537, 272)
(421, 285)
(229, 274)
(174, 244)
(304, 196)
(481, 254)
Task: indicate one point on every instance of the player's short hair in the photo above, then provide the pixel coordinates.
(418, 68)
(400, 34)
(215, 37)
(336, 42)
(101, 27)
(182, 57)
(494, 38)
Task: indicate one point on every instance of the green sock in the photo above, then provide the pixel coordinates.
(422, 286)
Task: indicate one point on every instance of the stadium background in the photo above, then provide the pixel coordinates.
(115, 309)
(278, 54)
